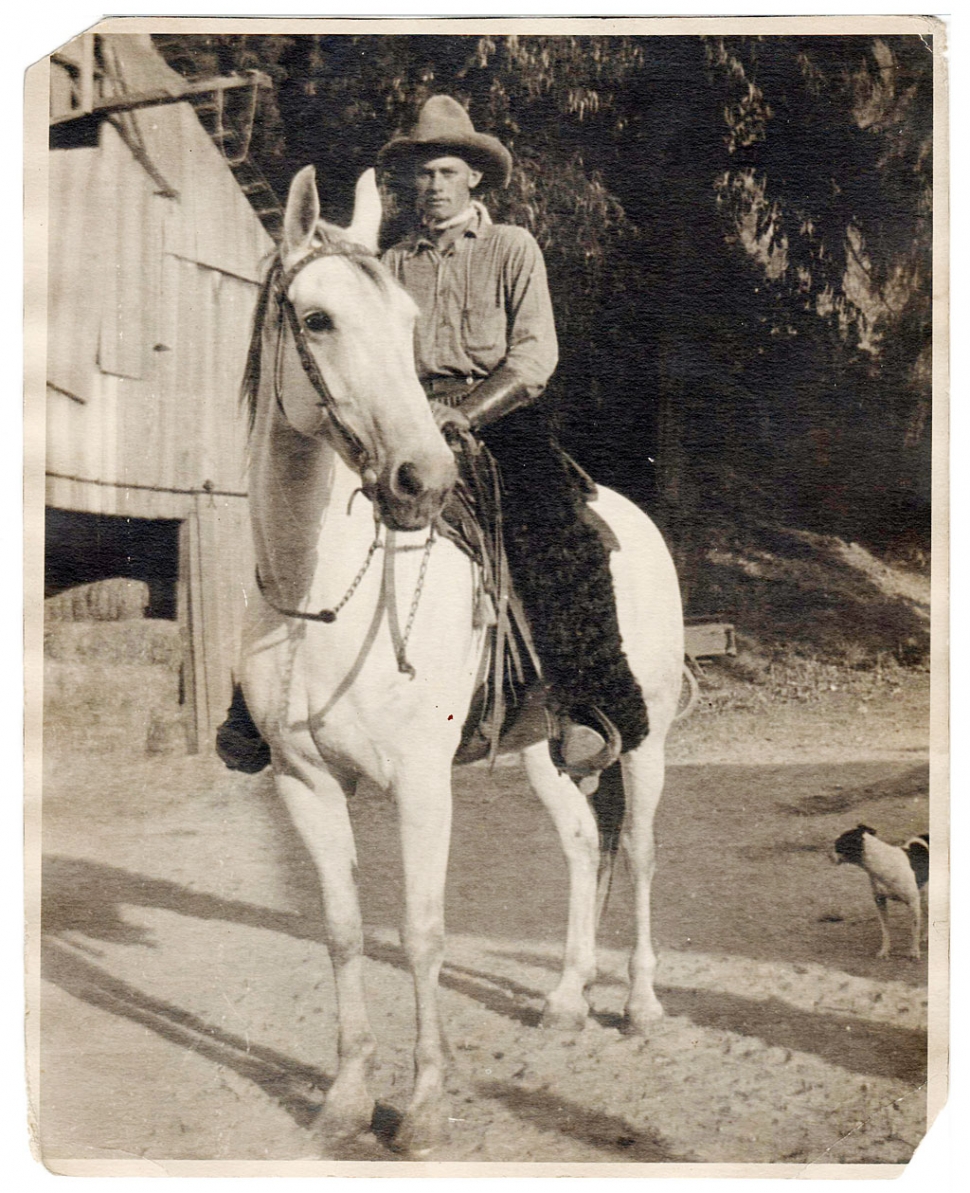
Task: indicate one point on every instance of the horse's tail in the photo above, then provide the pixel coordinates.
(609, 807)
(686, 707)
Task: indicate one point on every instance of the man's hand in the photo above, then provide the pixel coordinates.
(449, 416)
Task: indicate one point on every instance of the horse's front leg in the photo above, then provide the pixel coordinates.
(423, 794)
(317, 803)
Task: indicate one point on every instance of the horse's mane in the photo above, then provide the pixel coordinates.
(249, 389)
(327, 235)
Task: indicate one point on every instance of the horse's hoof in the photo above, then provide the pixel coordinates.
(639, 1020)
(339, 1129)
(421, 1132)
(564, 1019)
(362, 1145)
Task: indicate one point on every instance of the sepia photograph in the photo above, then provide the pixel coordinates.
(486, 697)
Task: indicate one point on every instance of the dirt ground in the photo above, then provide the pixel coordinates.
(188, 1008)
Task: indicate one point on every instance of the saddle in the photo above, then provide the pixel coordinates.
(509, 710)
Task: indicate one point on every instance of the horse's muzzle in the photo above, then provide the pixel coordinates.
(411, 493)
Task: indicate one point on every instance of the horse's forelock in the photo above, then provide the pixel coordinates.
(375, 271)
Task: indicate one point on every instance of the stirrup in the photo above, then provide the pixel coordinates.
(582, 751)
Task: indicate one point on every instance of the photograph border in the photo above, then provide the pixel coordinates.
(36, 101)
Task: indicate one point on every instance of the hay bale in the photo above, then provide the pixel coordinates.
(116, 599)
(106, 707)
(166, 731)
(146, 643)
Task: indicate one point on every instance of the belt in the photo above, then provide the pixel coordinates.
(451, 391)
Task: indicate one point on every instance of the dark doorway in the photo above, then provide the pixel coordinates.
(81, 548)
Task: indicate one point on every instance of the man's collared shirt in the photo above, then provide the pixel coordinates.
(483, 299)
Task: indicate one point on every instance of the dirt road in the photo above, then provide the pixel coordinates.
(188, 1007)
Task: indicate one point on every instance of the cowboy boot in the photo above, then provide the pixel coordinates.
(238, 742)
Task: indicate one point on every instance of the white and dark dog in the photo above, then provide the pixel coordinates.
(897, 872)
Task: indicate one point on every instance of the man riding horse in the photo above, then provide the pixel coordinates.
(485, 348)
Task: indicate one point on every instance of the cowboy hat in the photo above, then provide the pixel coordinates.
(444, 124)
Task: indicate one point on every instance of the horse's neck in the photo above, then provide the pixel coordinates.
(300, 490)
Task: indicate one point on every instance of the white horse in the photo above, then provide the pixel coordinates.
(360, 660)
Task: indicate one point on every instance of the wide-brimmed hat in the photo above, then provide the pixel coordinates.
(444, 124)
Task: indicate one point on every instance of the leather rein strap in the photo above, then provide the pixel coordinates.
(283, 281)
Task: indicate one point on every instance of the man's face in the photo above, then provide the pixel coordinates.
(443, 187)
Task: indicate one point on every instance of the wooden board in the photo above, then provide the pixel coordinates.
(709, 639)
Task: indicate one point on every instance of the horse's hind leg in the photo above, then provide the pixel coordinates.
(317, 804)
(567, 1006)
(424, 811)
(643, 779)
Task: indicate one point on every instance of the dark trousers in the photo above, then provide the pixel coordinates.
(560, 567)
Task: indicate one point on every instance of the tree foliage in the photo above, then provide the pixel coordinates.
(737, 230)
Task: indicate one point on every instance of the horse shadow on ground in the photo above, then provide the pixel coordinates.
(859, 1045)
(915, 782)
(298, 1089)
(85, 897)
(549, 1111)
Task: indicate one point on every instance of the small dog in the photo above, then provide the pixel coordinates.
(898, 872)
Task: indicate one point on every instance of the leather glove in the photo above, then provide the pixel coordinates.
(448, 416)
(499, 394)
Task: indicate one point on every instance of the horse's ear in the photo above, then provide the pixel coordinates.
(302, 211)
(366, 223)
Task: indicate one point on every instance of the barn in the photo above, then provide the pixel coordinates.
(157, 231)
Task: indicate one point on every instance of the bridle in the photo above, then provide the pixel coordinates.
(281, 279)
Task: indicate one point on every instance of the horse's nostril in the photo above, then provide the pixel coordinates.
(409, 480)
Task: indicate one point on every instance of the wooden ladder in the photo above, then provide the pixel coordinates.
(228, 119)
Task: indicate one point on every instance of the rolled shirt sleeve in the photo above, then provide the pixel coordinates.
(532, 347)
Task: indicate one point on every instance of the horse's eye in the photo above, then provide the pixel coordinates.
(318, 321)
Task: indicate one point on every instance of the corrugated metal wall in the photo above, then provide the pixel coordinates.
(155, 258)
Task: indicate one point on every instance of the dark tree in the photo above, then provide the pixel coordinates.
(737, 232)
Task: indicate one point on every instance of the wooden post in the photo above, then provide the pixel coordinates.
(87, 72)
(218, 554)
(215, 565)
(191, 677)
